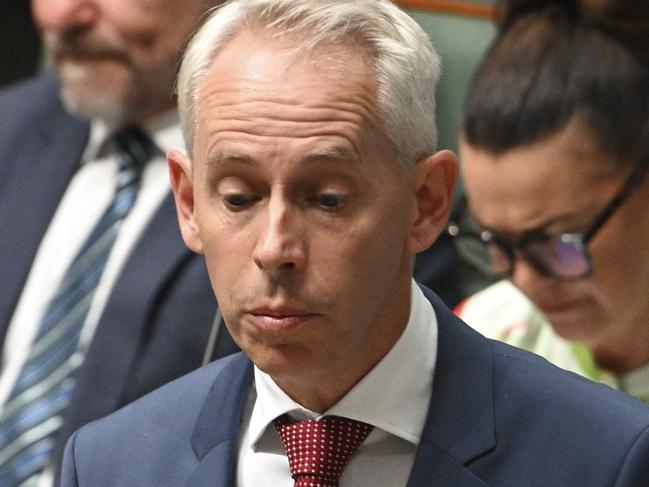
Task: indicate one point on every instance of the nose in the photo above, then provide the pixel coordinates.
(526, 277)
(280, 248)
(64, 14)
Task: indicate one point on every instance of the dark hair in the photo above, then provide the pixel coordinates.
(554, 61)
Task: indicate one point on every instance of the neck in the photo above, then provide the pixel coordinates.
(620, 363)
(622, 353)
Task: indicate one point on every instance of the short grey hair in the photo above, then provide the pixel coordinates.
(404, 62)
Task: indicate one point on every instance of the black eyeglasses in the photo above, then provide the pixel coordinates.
(564, 257)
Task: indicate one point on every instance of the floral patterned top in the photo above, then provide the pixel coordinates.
(503, 313)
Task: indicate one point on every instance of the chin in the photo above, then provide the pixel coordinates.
(278, 360)
(271, 362)
(90, 94)
(574, 326)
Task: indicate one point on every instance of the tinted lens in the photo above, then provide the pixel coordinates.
(564, 256)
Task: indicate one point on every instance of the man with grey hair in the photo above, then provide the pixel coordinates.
(310, 183)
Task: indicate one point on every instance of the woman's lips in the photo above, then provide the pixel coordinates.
(553, 308)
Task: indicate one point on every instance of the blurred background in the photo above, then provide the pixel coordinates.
(459, 29)
(20, 52)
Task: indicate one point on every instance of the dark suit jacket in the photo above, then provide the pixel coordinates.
(498, 416)
(158, 317)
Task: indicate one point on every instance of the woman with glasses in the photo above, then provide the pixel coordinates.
(555, 152)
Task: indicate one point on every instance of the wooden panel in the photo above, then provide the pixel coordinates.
(457, 7)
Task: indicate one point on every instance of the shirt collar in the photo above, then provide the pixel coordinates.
(394, 396)
(164, 130)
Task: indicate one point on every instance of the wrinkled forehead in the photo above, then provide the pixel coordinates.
(528, 186)
(260, 96)
(288, 52)
(256, 75)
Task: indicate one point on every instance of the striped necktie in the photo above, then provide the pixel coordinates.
(33, 413)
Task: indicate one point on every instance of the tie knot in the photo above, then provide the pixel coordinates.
(318, 450)
(135, 148)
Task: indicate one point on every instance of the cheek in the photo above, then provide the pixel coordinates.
(161, 30)
(620, 269)
(229, 279)
(145, 33)
(226, 247)
(371, 250)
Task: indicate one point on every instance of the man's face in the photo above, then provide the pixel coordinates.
(116, 59)
(304, 216)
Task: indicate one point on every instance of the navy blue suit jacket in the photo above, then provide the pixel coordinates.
(158, 317)
(498, 416)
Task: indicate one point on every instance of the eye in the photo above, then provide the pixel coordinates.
(238, 201)
(329, 201)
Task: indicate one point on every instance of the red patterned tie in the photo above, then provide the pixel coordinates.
(319, 450)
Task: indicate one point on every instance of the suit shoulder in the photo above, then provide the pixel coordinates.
(554, 427)
(180, 398)
(154, 433)
(36, 111)
(30, 95)
(538, 384)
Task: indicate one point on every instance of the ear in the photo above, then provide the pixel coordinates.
(182, 183)
(433, 183)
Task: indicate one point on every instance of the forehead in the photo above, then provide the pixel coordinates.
(255, 53)
(262, 86)
(529, 186)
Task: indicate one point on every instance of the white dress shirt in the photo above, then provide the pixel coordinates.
(86, 198)
(393, 397)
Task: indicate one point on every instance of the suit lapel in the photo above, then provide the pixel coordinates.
(35, 171)
(434, 467)
(127, 318)
(216, 433)
(459, 426)
(460, 422)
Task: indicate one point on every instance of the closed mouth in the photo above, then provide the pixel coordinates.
(280, 318)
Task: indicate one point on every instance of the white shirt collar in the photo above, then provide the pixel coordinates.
(163, 129)
(394, 396)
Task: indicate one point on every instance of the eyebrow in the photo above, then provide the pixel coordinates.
(334, 153)
(224, 157)
(538, 229)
